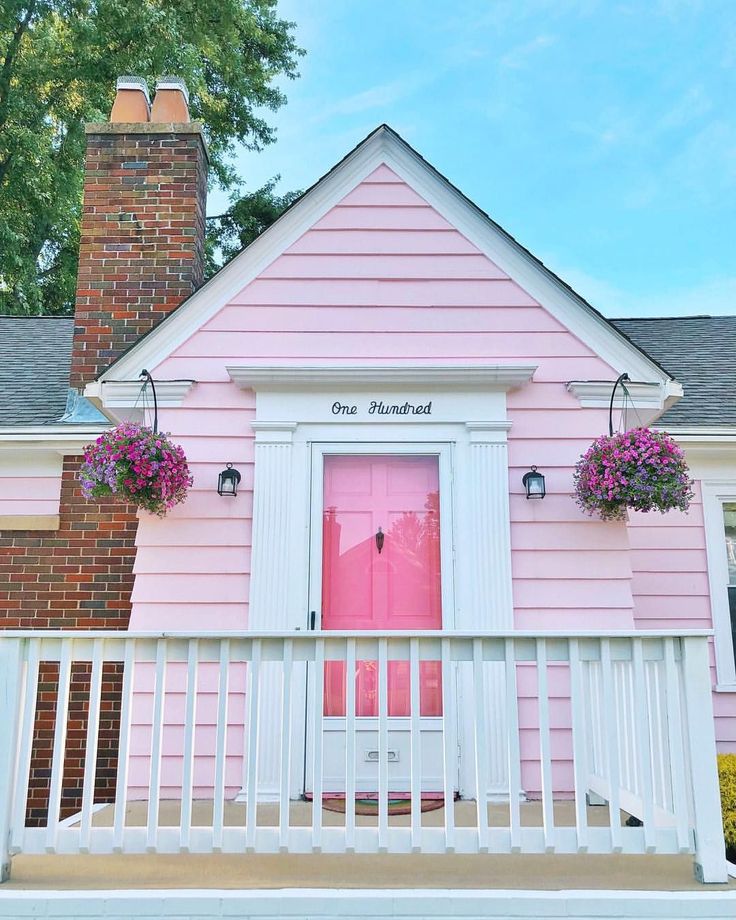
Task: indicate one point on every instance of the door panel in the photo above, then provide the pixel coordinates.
(390, 584)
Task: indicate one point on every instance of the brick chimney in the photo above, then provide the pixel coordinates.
(143, 221)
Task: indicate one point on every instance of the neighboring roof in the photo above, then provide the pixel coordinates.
(384, 145)
(699, 351)
(35, 357)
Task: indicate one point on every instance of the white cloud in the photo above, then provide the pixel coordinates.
(518, 57)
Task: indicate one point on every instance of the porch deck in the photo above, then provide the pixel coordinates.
(549, 872)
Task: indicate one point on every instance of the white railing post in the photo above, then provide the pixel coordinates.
(10, 695)
(710, 855)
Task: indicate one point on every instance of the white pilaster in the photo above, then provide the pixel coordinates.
(269, 607)
(484, 571)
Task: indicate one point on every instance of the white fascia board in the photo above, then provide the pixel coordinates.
(496, 376)
(126, 394)
(384, 147)
(62, 439)
(596, 394)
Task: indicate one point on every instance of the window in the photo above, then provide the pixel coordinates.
(729, 525)
(719, 509)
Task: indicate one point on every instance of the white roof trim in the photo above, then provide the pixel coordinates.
(62, 439)
(383, 146)
(456, 376)
(125, 394)
(708, 437)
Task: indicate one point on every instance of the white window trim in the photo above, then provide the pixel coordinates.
(373, 448)
(715, 494)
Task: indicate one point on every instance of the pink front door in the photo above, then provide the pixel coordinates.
(381, 568)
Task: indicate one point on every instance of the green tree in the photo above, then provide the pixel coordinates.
(247, 217)
(59, 60)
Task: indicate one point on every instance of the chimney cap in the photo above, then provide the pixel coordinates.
(171, 82)
(130, 82)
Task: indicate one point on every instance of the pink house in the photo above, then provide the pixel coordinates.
(382, 368)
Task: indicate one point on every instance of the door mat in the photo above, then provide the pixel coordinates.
(368, 804)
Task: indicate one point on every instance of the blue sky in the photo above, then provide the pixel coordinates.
(601, 134)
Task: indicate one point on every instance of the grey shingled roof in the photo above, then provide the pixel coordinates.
(699, 351)
(35, 356)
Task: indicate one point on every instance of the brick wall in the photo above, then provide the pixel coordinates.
(142, 254)
(142, 238)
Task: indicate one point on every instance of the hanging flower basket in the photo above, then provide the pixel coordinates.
(139, 467)
(640, 469)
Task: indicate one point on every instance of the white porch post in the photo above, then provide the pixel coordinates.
(710, 854)
(269, 585)
(484, 571)
(11, 672)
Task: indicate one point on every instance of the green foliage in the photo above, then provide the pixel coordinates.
(727, 777)
(59, 60)
(243, 221)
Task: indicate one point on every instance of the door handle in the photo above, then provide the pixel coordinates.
(313, 619)
(380, 537)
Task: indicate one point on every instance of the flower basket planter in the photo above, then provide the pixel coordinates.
(640, 469)
(136, 466)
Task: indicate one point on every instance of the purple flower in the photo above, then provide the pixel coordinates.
(138, 466)
(640, 469)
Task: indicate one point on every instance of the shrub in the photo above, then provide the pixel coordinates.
(727, 779)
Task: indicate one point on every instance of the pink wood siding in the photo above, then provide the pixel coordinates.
(671, 590)
(384, 276)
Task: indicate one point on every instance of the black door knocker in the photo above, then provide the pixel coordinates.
(380, 537)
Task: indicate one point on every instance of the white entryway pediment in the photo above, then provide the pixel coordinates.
(407, 395)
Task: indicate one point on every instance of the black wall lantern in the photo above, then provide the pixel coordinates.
(227, 481)
(534, 484)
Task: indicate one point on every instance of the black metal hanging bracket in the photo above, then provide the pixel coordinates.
(149, 379)
(620, 381)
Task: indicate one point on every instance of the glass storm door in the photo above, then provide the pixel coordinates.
(381, 571)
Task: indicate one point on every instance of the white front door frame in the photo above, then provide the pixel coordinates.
(399, 726)
(468, 417)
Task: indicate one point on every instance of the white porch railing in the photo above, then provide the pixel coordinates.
(205, 718)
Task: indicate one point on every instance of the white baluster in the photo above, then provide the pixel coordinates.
(675, 729)
(190, 730)
(157, 728)
(25, 748)
(545, 752)
(218, 810)
(121, 781)
(382, 746)
(350, 745)
(12, 652)
(90, 752)
(512, 709)
(251, 759)
(285, 771)
(481, 744)
(579, 747)
(57, 758)
(643, 751)
(416, 746)
(613, 729)
(449, 744)
(318, 745)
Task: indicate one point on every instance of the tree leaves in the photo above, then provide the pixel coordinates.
(59, 60)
